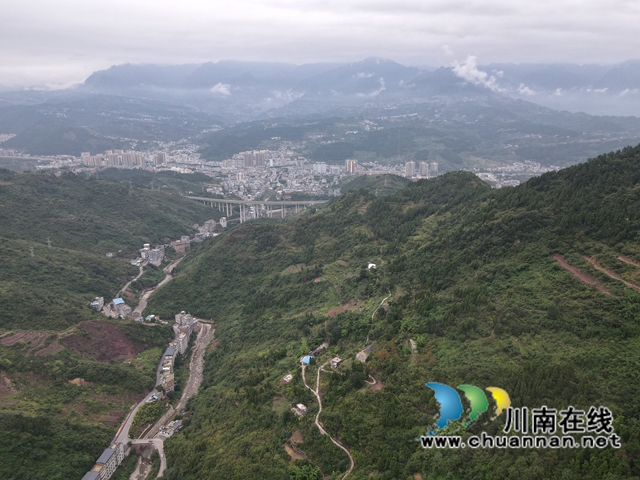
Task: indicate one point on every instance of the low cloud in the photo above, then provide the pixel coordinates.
(524, 90)
(364, 75)
(223, 89)
(468, 70)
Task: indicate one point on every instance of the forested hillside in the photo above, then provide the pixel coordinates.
(89, 214)
(68, 375)
(471, 286)
(83, 219)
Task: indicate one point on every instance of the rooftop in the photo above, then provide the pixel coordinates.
(118, 301)
(106, 455)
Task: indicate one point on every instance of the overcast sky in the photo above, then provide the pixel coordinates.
(60, 42)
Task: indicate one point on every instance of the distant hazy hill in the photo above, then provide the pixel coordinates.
(469, 274)
(94, 123)
(379, 185)
(140, 76)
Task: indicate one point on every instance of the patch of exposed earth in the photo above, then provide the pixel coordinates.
(102, 341)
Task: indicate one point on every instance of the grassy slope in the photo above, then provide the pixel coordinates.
(469, 276)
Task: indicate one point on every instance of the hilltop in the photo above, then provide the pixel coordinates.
(534, 289)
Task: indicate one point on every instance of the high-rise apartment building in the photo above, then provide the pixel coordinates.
(410, 169)
(350, 166)
(424, 169)
(433, 169)
(259, 158)
(161, 158)
(320, 168)
(248, 159)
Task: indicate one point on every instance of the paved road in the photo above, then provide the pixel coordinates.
(144, 298)
(123, 433)
(131, 281)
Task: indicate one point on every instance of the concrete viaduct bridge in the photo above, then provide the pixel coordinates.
(248, 209)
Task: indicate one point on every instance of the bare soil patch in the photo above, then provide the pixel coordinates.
(374, 387)
(296, 437)
(104, 342)
(579, 275)
(293, 453)
(51, 349)
(344, 308)
(113, 417)
(6, 387)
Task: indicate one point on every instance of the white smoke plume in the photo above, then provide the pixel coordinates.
(468, 70)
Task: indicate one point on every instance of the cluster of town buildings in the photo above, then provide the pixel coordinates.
(513, 174)
(183, 328)
(112, 457)
(154, 256)
(422, 170)
(207, 230)
(117, 308)
(131, 159)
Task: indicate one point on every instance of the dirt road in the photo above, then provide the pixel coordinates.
(579, 275)
(611, 273)
(316, 392)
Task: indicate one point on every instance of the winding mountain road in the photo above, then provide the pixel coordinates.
(316, 392)
(144, 298)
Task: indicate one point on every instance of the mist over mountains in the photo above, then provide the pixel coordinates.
(457, 115)
(594, 89)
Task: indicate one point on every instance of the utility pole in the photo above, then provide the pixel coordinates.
(48, 242)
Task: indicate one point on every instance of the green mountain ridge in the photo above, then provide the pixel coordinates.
(92, 215)
(465, 272)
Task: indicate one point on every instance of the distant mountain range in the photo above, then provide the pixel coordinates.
(501, 106)
(247, 88)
